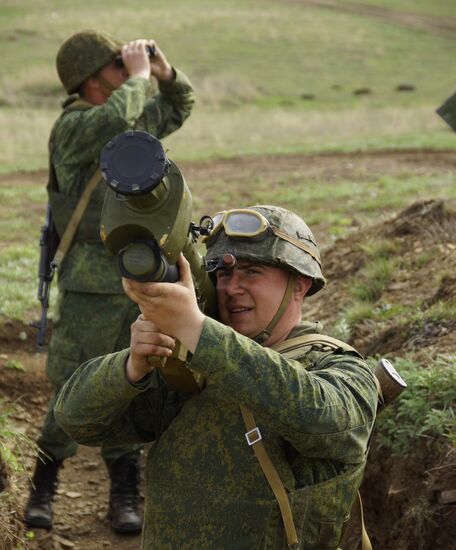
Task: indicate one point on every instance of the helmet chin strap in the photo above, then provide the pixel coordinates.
(266, 332)
(106, 87)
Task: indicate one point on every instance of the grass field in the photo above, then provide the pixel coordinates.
(271, 77)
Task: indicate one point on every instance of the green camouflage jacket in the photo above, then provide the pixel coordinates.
(204, 486)
(76, 141)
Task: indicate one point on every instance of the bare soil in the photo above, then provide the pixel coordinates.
(402, 496)
(432, 23)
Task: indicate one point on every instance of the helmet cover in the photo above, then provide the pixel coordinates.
(83, 54)
(273, 250)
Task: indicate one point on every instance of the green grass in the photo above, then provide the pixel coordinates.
(426, 409)
(436, 7)
(374, 278)
(14, 448)
(362, 199)
(251, 62)
(22, 206)
(380, 248)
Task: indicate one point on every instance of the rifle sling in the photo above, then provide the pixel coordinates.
(71, 228)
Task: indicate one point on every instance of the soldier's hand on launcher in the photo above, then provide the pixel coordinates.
(172, 307)
(146, 339)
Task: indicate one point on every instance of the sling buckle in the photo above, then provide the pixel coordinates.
(253, 436)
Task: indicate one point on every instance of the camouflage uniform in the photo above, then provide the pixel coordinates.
(94, 315)
(205, 488)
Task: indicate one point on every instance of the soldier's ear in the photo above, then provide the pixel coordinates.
(92, 84)
(302, 286)
(86, 88)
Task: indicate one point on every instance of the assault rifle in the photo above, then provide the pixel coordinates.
(49, 241)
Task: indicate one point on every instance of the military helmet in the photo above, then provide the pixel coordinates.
(286, 242)
(83, 54)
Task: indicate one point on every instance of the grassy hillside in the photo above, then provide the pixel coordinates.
(271, 77)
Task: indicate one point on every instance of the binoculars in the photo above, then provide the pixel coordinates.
(118, 61)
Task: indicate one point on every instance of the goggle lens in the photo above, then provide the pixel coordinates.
(217, 219)
(238, 223)
(243, 224)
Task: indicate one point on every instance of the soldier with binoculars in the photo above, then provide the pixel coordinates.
(110, 92)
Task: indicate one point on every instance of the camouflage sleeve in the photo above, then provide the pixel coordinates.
(81, 135)
(98, 403)
(324, 410)
(168, 109)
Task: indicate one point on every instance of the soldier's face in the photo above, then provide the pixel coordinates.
(116, 75)
(249, 295)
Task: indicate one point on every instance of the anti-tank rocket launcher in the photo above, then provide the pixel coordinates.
(146, 222)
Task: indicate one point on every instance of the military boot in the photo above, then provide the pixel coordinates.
(124, 496)
(38, 511)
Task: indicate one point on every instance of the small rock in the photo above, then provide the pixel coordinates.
(64, 543)
(72, 494)
(308, 96)
(405, 87)
(362, 91)
(447, 496)
(3, 356)
(93, 482)
(23, 336)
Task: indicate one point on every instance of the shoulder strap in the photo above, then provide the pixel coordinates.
(356, 523)
(254, 439)
(313, 340)
(253, 436)
(78, 104)
(73, 224)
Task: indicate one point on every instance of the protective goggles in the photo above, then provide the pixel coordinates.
(243, 223)
(239, 223)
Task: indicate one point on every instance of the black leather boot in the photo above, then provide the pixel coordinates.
(124, 496)
(38, 511)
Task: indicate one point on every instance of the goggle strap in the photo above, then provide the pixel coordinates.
(265, 333)
(284, 236)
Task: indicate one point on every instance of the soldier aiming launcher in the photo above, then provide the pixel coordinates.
(146, 222)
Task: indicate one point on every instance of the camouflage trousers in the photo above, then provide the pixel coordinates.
(86, 326)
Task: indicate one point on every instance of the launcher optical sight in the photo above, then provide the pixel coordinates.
(146, 216)
(146, 222)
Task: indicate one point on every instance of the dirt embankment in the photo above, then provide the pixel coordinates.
(396, 490)
(410, 502)
(439, 25)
